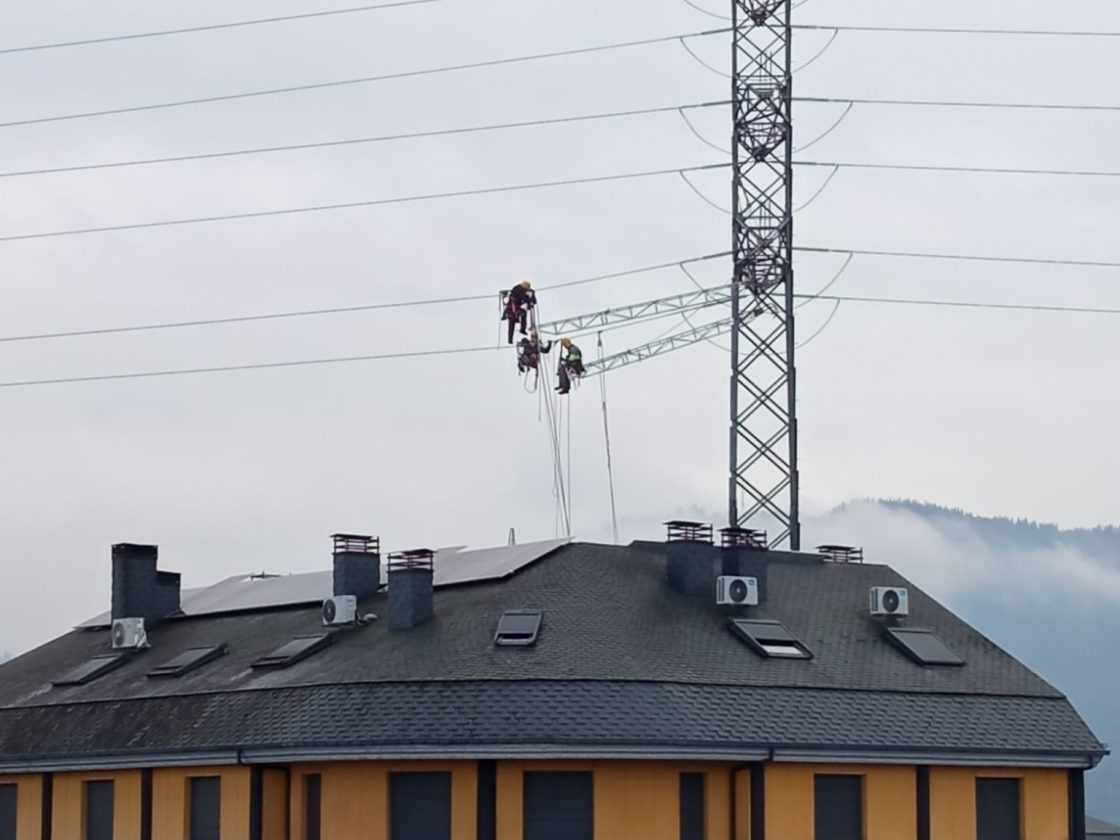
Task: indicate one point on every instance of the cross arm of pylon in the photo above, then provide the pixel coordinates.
(683, 303)
(658, 347)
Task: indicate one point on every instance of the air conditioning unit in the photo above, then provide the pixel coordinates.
(341, 609)
(128, 634)
(889, 601)
(737, 591)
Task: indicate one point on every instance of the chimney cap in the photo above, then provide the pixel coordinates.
(356, 544)
(680, 530)
(736, 537)
(416, 558)
(841, 553)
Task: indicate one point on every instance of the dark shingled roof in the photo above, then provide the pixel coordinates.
(623, 662)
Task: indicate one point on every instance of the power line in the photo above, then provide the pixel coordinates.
(211, 27)
(944, 30)
(931, 103)
(965, 304)
(348, 309)
(406, 74)
(995, 170)
(256, 214)
(359, 140)
(963, 257)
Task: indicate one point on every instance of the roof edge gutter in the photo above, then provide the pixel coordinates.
(952, 759)
(118, 762)
(540, 752)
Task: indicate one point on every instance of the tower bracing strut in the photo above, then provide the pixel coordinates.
(763, 456)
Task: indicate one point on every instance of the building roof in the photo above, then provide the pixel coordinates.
(1101, 830)
(624, 665)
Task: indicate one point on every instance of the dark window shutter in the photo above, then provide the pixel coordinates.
(838, 807)
(692, 806)
(99, 810)
(206, 808)
(997, 809)
(312, 805)
(558, 806)
(419, 806)
(9, 798)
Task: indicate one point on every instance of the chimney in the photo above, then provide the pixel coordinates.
(840, 553)
(690, 558)
(139, 589)
(410, 588)
(357, 564)
(743, 553)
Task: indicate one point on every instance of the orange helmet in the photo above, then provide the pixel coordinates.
(526, 285)
(565, 342)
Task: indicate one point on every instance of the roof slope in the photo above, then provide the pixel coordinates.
(1101, 830)
(622, 661)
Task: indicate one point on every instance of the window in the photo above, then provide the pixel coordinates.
(91, 670)
(187, 661)
(9, 800)
(312, 805)
(298, 648)
(518, 627)
(997, 809)
(558, 806)
(692, 806)
(838, 807)
(419, 806)
(205, 808)
(770, 639)
(922, 645)
(98, 809)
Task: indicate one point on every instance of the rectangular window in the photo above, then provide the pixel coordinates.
(98, 810)
(558, 806)
(838, 807)
(205, 808)
(312, 805)
(997, 809)
(419, 806)
(9, 797)
(692, 806)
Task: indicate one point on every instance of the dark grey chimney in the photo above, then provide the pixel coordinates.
(840, 553)
(357, 564)
(743, 553)
(410, 588)
(139, 589)
(690, 558)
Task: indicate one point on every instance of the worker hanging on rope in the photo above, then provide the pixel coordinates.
(519, 301)
(529, 350)
(571, 365)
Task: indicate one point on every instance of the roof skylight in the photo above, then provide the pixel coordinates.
(187, 661)
(770, 639)
(518, 628)
(292, 652)
(922, 645)
(92, 669)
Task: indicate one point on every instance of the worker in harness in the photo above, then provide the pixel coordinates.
(529, 352)
(571, 364)
(518, 302)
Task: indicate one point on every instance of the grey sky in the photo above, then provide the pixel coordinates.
(998, 413)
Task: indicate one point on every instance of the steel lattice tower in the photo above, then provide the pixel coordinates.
(763, 458)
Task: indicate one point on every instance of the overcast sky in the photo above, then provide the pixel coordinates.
(999, 413)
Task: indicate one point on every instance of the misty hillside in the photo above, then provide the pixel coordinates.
(1049, 596)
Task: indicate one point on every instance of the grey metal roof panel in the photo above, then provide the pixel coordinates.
(558, 713)
(1101, 830)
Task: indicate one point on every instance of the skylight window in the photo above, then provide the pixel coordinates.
(298, 648)
(518, 628)
(187, 661)
(922, 645)
(91, 670)
(770, 639)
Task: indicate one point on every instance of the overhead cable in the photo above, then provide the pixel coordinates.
(415, 135)
(935, 103)
(925, 255)
(211, 27)
(991, 170)
(257, 214)
(405, 74)
(339, 310)
(968, 304)
(946, 30)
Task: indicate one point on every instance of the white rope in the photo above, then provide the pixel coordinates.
(607, 438)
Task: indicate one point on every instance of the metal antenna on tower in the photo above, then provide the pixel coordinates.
(763, 458)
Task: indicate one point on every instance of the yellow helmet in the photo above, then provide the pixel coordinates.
(565, 342)
(526, 285)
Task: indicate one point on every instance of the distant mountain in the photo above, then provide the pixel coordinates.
(1047, 595)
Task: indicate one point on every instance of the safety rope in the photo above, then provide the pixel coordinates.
(555, 430)
(607, 438)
